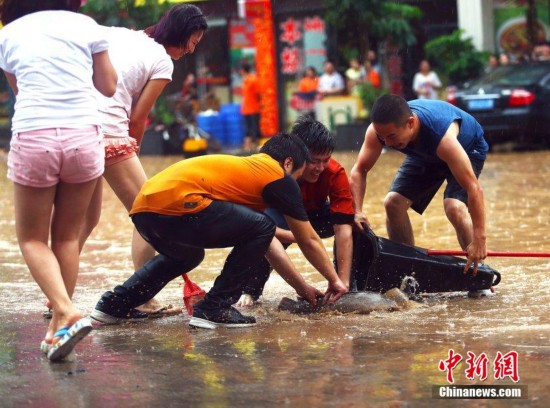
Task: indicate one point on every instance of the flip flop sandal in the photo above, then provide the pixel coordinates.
(47, 314)
(69, 337)
(45, 347)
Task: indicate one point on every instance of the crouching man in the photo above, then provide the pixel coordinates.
(216, 202)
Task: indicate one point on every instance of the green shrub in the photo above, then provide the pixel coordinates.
(455, 58)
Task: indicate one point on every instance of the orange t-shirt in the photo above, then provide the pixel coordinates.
(190, 185)
(308, 84)
(374, 78)
(251, 95)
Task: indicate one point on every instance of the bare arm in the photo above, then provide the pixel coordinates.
(314, 250)
(450, 151)
(368, 155)
(279, 260)
(12, 81)
(104, 76)
(284, 235)
(143, 106)
(344, 251)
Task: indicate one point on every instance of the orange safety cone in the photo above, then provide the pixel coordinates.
(192, 293)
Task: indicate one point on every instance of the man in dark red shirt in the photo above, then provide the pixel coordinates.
(327, 200)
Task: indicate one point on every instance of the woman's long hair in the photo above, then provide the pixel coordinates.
(178, 24)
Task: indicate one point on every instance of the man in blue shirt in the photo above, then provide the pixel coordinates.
(442, 143)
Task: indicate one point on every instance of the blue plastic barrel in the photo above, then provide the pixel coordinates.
(212, 123)
(234, 124)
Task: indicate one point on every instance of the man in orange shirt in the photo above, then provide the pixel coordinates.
(250, 107)
(216, 201)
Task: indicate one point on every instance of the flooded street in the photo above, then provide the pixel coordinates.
(326, 360)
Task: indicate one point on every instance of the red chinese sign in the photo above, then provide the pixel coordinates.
(505, 365)
(303, 44)
(264, 39)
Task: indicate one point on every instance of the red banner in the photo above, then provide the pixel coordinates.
(264, 39)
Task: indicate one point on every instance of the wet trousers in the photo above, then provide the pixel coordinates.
(181, 240)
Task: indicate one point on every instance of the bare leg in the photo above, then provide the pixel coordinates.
(126, 179)
(459, 216)
(54, 269)
(398, 223)
(92, 214)
(247, 143)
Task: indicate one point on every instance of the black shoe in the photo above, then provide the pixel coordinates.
(102, 313)
(222, 317)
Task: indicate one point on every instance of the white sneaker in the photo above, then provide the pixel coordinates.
(481, 293)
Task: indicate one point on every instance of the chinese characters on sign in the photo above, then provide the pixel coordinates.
(303, 44)
(504, 365)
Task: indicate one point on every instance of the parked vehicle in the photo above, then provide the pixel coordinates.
(512, 103)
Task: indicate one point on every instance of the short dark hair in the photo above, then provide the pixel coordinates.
(314, 134)
(391, 108)
(177, 25)
(245, 66)
(11, 10)
(282, 146)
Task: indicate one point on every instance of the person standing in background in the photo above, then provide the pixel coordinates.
(426, 83)
(250, 107)
(54, 60)
(331, 83)
(370, 75)
(309, 82)
(353, 76)
(372, 58)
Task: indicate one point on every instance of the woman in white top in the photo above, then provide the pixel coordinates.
(143, 61)
(54, 60)
(426, 83)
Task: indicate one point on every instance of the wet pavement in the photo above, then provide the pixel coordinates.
(333, 360)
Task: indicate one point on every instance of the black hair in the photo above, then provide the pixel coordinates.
(314, 134)
(391, 108)
(312, 68)
(245, 66)
(11, 10)
(177, 25)
(282, 146)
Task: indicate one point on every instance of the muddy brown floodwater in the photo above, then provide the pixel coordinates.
(328, 360)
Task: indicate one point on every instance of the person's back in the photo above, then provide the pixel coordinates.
(242, 182)
(250, 107)
(53, 73)
(435, 118)
(138, 59)
(251, 94)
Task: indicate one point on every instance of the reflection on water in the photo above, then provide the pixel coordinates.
(386, 359)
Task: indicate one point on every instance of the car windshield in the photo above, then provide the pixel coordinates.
(513, 75)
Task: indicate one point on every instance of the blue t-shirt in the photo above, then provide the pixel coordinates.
(435, 118)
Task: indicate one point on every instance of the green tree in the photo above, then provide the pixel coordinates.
(456, 57)
(360, 23)
(124, 13)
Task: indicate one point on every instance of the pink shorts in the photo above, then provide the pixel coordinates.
(45, 157)
(118, 149)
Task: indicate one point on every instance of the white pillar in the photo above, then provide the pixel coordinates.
(475, 17)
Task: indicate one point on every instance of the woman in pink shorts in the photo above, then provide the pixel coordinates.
(56, 153)
(143, 61)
